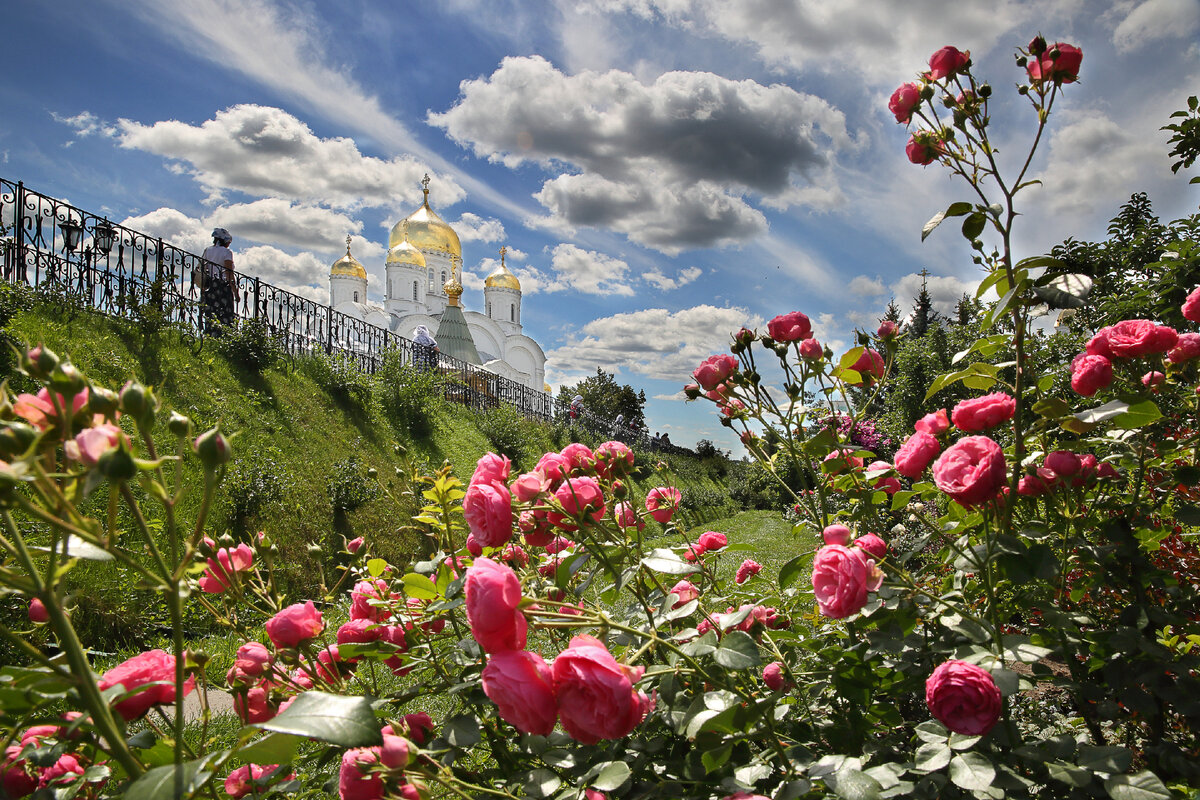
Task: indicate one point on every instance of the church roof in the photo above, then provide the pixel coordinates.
(454, 336)
(501, 278)
(426, 230)
(348, 265)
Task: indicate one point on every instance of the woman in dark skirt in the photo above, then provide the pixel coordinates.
(219, 289)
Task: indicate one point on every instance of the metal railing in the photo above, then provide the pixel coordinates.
(117, 271)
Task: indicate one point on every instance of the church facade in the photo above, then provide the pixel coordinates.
(423, 275)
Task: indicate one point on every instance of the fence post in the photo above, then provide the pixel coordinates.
(18, 220)
(329, 330)
(257, 283)
(158, 275)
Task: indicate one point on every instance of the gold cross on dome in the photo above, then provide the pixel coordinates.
(503, 250)
(347, 244)
(425, 185)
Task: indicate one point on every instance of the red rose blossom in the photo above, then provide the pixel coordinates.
(963, 697)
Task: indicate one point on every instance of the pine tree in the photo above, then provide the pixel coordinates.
(924, 315)
(893, 312)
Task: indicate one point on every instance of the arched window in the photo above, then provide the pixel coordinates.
(415, 283)
(443, 278)
(431, 287)
(356, 297)
(512, 313)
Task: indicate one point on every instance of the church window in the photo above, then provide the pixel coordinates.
(512, 313)
(356, 297)
(431, 279)
(443, 277)
(415, 290)
(489, 308)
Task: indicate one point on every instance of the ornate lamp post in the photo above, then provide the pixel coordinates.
(72, 233)
(103, 234)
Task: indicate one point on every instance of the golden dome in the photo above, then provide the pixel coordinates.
(405, 253)
(501, 278)
(547, 387)
(426, 230)
(453, 290)
(348, 266)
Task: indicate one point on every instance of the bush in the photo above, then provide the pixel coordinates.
(251, 344)
(340, 376)
(507, 432)
(350, 486)
(252, 484)
(410, 397)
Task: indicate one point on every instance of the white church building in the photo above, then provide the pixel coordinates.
(423, 276)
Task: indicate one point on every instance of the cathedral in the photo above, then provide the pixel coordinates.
(423, 287)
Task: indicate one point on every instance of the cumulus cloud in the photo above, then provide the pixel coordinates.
(85, 124)
(474, 228)
(1157, 19)
(668, 163)
(655, 343)
(281, 222)
(944, 290)
(267, 152)
(664, 283)
(588, 271)
(866, 287)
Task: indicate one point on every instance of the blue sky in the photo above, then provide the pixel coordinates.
(662, 171)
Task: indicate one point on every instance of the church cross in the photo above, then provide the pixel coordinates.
(503, 250)
(425, 186)
(347, 244)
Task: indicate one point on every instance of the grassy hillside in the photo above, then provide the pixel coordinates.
(306, 434)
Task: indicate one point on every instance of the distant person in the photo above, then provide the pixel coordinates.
(576, 406)
(425, 349)
(218, 284)
(666, 438)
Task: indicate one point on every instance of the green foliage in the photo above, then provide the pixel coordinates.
(605, 398)
(1185, 138)
(251, 344)
(510, 434)
(410, 397)
(255, 481)
(340, 376)
(350, 486)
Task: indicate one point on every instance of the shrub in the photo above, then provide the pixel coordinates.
(410, 397)
(340, 376)
(350, 486)
(507, 432)
(254, 483)
(251, 344)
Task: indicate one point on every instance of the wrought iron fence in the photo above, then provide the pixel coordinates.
(120, 272)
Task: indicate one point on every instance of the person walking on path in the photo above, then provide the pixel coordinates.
(218, 286)
(425, 349)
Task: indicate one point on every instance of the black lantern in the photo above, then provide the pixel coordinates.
(72, 233)
(103, 234)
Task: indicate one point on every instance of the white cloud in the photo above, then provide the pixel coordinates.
(267, 152)
(867, 287)
(282, 223)
(85, 124)
(944, 290)
(1157, 19)
(668, 163)
(474, 228)
(655, 343)
(664, 283)
(588, 271)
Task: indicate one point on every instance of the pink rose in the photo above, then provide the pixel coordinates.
(981, 413)
(395, 752)
(355, 780)
(971, 471)
(580, 498)
(247, 779)
(596, 698)
(745, 796)
(253, 660)
(836, 534)
(934, 424)
(747, 570)
(530, 486)
(221, 568)
(594, 794)
(535, 527)
(1046, 67)
(887, 329)
(254, 705)
(473, 546)
(812, 350)
(66, 769)
(888, 483)
(772, 676)
(487, 508)
(520, 685)
(714, 370)
(915, 454)
(418, 725)
(1031, 486)
(1063, 463)
(1132, 338)
(873, 545)
(791, 327)
(662, 502)
(712, 540)
(152, 667)
(91, 443)
(904, 101)
(1191, 306)
(841, 579)
(963, 697)
(493, 598)
(297, 623)
(491, 469)
(923, 147)
(359, 631)
(580, 457)
(554, 467)
(17, 778)
(869, 365)
(626, 517)
(354, 545)
(370, 600)
(614, 458)
(1153, 378)
(37, 612)
(1090, 374)
(1186, 349)
(947, 62)
(686, 591)
(839, 461)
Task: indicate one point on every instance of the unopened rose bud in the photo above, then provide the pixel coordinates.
(102, 401)
(767, 342)
(1022, 61)
(1022, 90)
(213, 448)
(985, 91)
(691, 391)
(15, 439)
(314, 549)
(37, 612)
(139, 402)
(620, 490)
(354, 545)
(66, 379)
(199, 657)
(39, 362)
(372, 473)
(117, 464)
(1037, 45)
(179, 425)
(927, 92)
(225, 540)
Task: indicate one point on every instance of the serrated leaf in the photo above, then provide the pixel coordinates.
(542, 783)
(954, 210)
(1143, 785)
(274, 748)
(333, 718)
(78, 548)
(737, 651)
(1069, 774)
(790, 572)
(973, 226)
(1051, 408)
(972, 771)
(1065, 291)
(1103, 413)
(850, 357)
(462, 730)
(419, 586)
(610, 776)
(714, 759)
(932, 731)
(852, 784)
(1104, 759)
(376, 567)
(1138, 415)
(159, 783)
(932, 756)
(667, 562)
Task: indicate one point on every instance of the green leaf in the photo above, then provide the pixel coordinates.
(790, 572)
(376, 567)
(462, 730)
(932, 756)
(955, 210)
(737, 651)
(344, 721)
(852, 784)
(1104, 759)
(1069, 774)
(932, 731)
(274, 748)
(667, 562)
(851, 356)
(78, 548)
(1051, 408)
(1143, 785)
(972, 771)
(159, 783)
(716, 758)
(1138, 415)
(1065, 291)
(610, 776)
(419, 586)
(973, 226)
(542, 783)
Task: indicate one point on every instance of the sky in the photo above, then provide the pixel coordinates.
(662, 172)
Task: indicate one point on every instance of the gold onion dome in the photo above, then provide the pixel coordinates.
(348, 265)
(405, 253)
(453, 290)
(426, 230)
(501, 278)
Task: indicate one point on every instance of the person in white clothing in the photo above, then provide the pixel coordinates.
(218, 292)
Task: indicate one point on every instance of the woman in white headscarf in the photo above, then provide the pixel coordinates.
(218, 292)
(425, 348)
